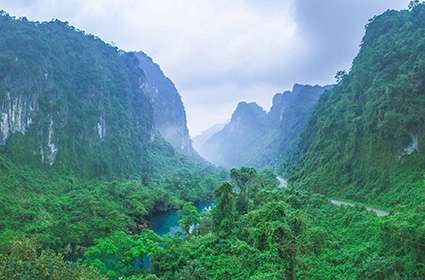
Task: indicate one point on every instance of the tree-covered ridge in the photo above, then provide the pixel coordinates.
(365, 138)
(288, 116)
(71, 101)
(80, 158)
(363, 141)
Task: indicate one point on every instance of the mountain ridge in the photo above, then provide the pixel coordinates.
(364, 139)
(168, 110)
(258, 138)
(80, 107)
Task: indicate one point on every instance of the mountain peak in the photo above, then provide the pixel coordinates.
(248, 111)
(256, 137)
(169, 114)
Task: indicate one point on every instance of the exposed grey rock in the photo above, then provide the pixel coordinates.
(101, 127)
(412, 147)
(15, 113)
(256, 138)
(51, 146)
(168, 110)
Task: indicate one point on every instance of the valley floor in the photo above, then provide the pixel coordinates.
(265, 230)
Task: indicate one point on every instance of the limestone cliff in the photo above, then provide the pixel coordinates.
(257, 138)
(168, 111)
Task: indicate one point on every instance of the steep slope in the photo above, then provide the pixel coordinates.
(365, 138)
(168, 111)
(288, 116)
(71, 103)
(80, 156)
(199, 141)
(256, 138)
(228, 147)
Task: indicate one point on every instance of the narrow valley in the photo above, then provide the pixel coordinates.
(100, 177)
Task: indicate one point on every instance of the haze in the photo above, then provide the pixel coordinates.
(220, 52)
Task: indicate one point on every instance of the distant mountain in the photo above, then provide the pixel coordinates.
(227, 147)
(72, 103)
(257, 138)
(168, 111)
(199, 141)
(290, 113)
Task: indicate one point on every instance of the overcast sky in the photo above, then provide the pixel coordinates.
(220, 52)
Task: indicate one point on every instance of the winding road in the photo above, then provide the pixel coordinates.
(380, 213)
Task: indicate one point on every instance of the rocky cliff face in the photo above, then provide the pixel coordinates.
(256, 138)
(168, 111)
(200, 140)
(288, 116)
(227, 147)
(15, 112)
(288, 105)
(71, 103)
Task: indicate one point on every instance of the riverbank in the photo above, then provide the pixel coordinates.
(168, 222)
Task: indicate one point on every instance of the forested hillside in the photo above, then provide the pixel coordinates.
(72, 103)
(259, 230)
(288, 116)
(365, 138)
(85, 166)
(80, 154)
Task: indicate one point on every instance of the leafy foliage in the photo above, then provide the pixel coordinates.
(72, 103)
(359, 143)
(24, 259)
(364, 140)
(118, 254)
(189, 217)
(67, 213)
(290, 234)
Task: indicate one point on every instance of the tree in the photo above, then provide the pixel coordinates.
(276, 228)
(118, 254)
(340, 75)
(223, 212)
(413, 4)
(24, 259)
(189, 217)
(242, 177)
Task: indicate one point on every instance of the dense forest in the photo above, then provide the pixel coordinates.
(80, 154)
(257, 230)
(260, 231)
(84, 169)
(364, 140)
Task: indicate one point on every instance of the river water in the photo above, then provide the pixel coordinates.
(168, 222)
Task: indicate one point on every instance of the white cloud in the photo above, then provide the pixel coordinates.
(219, 52)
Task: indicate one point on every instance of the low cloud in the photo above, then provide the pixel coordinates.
(220, 52)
